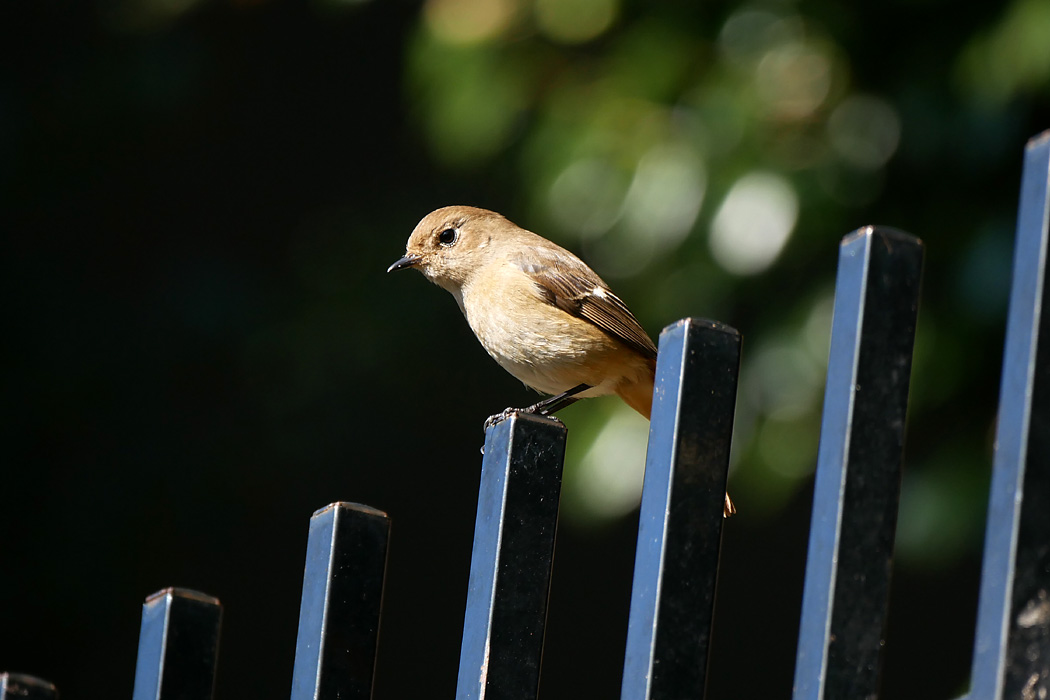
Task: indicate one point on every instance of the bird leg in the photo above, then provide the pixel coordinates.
(546, 407)
(553, 404)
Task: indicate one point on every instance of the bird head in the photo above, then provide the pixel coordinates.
(450, 243)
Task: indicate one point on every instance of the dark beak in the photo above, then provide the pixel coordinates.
(409, 260)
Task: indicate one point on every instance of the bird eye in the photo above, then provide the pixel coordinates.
(448, 236)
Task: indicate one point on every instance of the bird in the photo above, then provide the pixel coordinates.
(538, 310)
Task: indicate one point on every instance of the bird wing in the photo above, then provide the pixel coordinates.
(565, 282)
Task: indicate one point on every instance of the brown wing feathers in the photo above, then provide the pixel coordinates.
(578, 291)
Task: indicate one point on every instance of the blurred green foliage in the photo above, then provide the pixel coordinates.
(199, 198)
(704, 157)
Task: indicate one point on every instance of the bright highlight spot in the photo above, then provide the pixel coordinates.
(816, 331)
(753, 224)
(665, 195)
(587, 197)
(469, 21)
(864, 131)
(1013, 56)
(609, 480)
(786, 380)
(575, 21)
(749, 33)
(794, 79)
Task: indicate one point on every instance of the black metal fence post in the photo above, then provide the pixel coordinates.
(510, 567)
(856, 496)
(18, 686)
(1012, 650)
(680, 526)
(857, 487)
(335, 651)
(178, 646)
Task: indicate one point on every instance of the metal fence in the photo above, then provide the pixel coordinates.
(857, 490)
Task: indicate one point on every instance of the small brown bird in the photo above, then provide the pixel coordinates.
(537, 309)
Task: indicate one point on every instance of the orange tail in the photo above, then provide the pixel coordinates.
(639, 396)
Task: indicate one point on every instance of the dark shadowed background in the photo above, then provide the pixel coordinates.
(199, 198)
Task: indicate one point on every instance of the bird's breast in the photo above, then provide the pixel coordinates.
(538, 343)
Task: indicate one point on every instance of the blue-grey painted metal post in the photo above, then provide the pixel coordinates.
(1012, 651)
(335, 651)
(178, 646)
(857, 486)
(680, 525)
(18, 686)
(510, 567)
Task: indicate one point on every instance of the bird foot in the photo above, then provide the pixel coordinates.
(539, 409)
(500, 417)
(547, 407)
